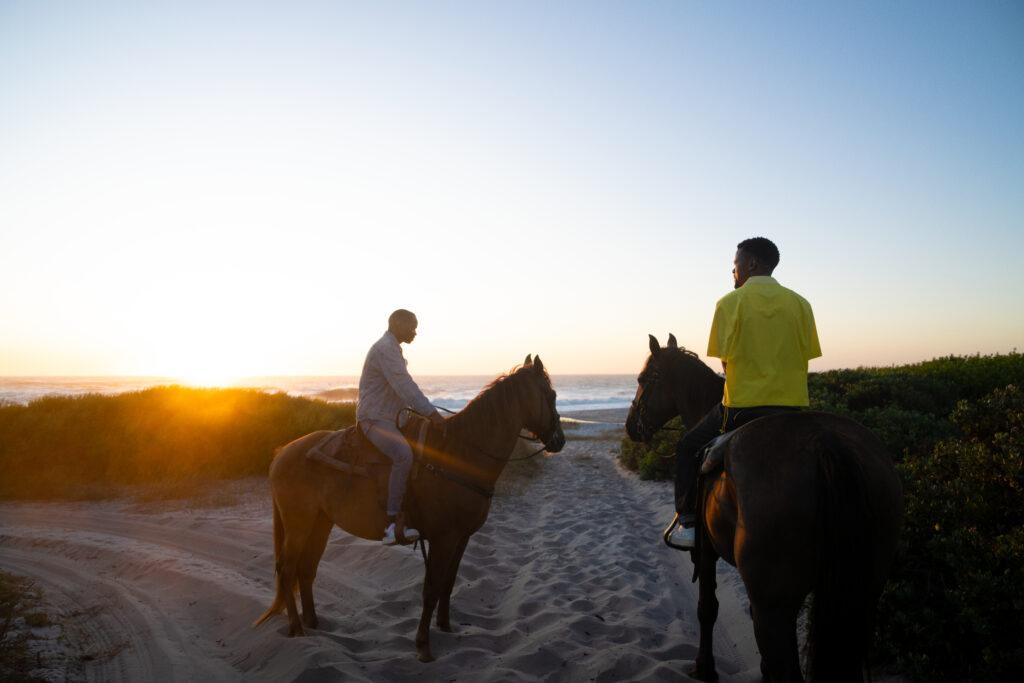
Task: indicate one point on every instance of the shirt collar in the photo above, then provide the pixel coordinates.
(761, 280)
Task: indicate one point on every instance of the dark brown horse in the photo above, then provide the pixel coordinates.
(448, 498)
(806, 502)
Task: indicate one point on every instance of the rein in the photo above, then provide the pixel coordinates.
(457, 478)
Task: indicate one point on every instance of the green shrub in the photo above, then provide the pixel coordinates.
(954, 607)
(908, 406)
(68, 447)
(656, 461)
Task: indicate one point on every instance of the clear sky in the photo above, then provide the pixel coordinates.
(222, 189)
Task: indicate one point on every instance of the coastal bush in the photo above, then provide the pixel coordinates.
(657, 459)
(75, 447)
(954, 607)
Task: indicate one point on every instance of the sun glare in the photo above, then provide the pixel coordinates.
(206, 375)
(204, 378)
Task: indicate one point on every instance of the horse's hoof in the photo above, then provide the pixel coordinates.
(425, 657)
(447, 628)
(296, 632)
(311, 623)
(701, 673)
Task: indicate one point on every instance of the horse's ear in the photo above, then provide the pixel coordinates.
(672, 343)
(528, 362)
(655, 346)
(538, 364)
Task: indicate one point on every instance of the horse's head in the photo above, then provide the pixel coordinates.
(654, 403)
(540, 415)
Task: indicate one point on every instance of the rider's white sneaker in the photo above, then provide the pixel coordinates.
(685, 536)
(389, 535)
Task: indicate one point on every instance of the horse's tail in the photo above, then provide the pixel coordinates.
(279, 596)
(839, 628)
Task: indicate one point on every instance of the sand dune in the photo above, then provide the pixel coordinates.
(567, 580)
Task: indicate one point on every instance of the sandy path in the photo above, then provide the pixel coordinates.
(567, 580)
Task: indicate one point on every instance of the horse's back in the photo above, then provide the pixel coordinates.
(786, 450)
(785, 469)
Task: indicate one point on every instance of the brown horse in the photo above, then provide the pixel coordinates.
(806, 502)
(448, 497)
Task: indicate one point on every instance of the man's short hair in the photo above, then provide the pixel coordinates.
(400, 316)
(763, 249)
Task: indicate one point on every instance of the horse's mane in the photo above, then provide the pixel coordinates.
(688, 360)
(492, 404)
(693, 361)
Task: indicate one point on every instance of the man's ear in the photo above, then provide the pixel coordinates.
(672, 343)
(538, 364)
(528, 362)
(654, 344)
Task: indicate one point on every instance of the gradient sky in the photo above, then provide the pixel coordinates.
(222, 189)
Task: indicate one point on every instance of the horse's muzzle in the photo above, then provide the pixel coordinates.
(556, 442)
(635, 430)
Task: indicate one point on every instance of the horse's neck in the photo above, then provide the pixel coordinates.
(696, 392)
(487, 434)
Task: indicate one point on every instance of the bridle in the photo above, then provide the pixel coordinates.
(640, 407)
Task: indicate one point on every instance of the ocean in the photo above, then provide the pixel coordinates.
(575, 392)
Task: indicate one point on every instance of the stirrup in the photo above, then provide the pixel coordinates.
(409, 535)
(688, 534)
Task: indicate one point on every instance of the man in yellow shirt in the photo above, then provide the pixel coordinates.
(764, 334)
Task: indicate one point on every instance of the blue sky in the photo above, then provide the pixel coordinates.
(250, 188)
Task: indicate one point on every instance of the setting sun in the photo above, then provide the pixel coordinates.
(206, 377)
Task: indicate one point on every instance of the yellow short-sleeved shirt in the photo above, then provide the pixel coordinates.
(765, 334)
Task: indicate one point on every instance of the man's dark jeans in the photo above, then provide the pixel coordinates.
(719, 420)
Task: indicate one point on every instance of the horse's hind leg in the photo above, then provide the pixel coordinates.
(298, 524)
(775, 632)
(308, 563)
(287, 566)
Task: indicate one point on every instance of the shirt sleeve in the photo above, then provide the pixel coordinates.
(812, 348)
(392, 365)
(723, 326)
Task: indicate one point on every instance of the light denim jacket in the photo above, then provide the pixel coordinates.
(385, 387)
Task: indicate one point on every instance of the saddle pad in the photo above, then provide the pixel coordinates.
(348, 445)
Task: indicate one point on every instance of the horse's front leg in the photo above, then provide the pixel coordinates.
(438, 559)
(443, 615)
(707, 613)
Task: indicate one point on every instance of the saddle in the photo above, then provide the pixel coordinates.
(712, 458)
(350, 452)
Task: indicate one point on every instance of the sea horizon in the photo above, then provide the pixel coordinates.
(598, 391)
